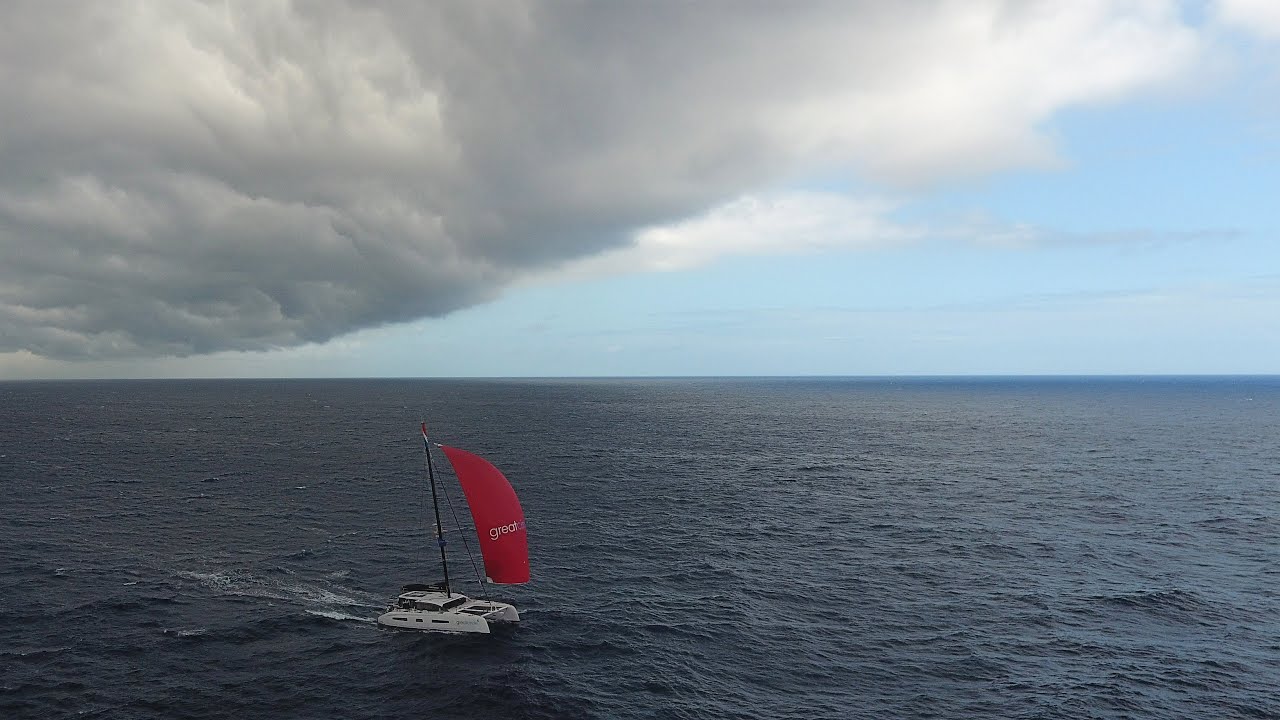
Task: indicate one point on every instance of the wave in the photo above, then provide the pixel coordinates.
(125, 604)
(34, 654)
(181, 633)
(1156, 600)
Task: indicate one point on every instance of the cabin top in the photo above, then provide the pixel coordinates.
(429, 600)
(430, 595)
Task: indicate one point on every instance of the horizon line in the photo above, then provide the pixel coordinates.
(909, 376)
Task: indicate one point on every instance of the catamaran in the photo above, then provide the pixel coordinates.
(504, 547)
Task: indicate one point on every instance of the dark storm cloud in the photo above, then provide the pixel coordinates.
(182, 177)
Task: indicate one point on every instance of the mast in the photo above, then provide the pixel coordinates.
(436, 504)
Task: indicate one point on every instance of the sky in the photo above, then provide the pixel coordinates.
(405, 189)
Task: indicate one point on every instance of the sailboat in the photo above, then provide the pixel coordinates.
(504, 547)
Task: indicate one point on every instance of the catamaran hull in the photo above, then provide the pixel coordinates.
(434, 622)
(467, 618)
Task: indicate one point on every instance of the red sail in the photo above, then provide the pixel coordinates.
(498, 516)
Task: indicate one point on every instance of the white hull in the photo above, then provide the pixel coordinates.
(428, 611)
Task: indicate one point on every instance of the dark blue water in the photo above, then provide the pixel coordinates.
(701, 549)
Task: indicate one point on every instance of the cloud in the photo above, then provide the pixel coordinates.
(184, 178)
(983, 230)
(767, 224)
(792, 222)
(1258, 16)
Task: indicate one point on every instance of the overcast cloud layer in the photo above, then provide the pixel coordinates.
(180, 177)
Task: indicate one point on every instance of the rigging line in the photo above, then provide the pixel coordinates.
(484, 592)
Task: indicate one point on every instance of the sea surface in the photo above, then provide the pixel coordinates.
(737, 548)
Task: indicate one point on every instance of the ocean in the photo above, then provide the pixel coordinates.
(700, 548)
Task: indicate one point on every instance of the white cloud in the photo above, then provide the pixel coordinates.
(775, 224)
(1257, 16)
(965, 90)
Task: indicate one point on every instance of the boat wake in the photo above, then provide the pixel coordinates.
(335, 615)
(244, 584)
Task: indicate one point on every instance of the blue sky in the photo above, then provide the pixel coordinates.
(1138, 234)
